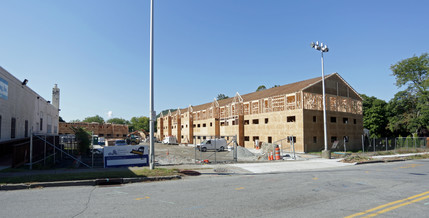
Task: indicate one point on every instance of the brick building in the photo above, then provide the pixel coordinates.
(107, 130)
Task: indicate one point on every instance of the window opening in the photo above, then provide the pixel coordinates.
(13, 128)
(291, 119)
(294, 139)
(26, 129)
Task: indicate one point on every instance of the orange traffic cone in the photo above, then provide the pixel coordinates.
(277, 153)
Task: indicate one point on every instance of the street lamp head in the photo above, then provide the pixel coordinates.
(322, 47)
(325, 49)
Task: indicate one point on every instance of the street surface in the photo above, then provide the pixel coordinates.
(398, 189)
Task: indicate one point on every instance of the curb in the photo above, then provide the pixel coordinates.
(93, 182)
(378, 161)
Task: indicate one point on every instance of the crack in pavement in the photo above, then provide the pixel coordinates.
(87, 203)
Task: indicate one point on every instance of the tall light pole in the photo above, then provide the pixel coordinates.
(152, 112)
(323, 48)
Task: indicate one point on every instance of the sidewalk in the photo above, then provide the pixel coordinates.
(291, 166)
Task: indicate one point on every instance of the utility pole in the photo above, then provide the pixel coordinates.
(323, 48)
(152, 112)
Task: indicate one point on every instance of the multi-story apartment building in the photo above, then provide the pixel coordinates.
(274, 114)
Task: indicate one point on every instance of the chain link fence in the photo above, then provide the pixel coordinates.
(215, 149)
(395, 144)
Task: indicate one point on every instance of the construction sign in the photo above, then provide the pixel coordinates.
(126, 156)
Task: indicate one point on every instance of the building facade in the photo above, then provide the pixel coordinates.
(106, 130)
(22, 110)
(274, 114)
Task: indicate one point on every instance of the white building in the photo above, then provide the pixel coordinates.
(22, 109)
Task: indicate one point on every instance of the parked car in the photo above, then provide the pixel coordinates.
(169, 140)
(212, 144)
(97, 149)
(120, 143)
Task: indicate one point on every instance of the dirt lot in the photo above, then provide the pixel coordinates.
(181, 154)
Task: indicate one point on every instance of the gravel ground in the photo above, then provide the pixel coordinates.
(182, 154)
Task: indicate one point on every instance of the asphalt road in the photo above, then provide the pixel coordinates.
(399, 189)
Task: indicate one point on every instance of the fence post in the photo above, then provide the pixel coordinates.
(374, 144)
(92, 147)
(386, 143)
(44, 153)
(235, 149)
(363, 144)
(345, 148)
(215, 148)
(293, 147)
(195, 148)
(31, 148)
(55, 146)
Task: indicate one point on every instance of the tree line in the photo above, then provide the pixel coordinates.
(407, 113)
(135, 123)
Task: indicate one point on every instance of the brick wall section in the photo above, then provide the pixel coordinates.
(107, 130)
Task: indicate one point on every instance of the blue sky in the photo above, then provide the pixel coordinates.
(97, 51)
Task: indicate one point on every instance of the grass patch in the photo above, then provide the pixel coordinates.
(417, 157)
(319, 153)
(131, 172)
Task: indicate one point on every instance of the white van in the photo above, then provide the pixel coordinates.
(212, 144)
(169, 140)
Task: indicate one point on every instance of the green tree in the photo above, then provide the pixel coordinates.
(138, 123)
(83, 137)
(413, 73)
(374, 116)
(60, 119)
(95, 118)
(260, 88)
(275, 86)
(401, 111)
(118, 121)
(221, 96)
(75, 121)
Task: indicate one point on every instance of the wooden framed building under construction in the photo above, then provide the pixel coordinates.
(273, 114)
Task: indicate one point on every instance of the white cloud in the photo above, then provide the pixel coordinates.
(109, 114)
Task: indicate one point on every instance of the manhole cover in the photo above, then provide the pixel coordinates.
(190, 173)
